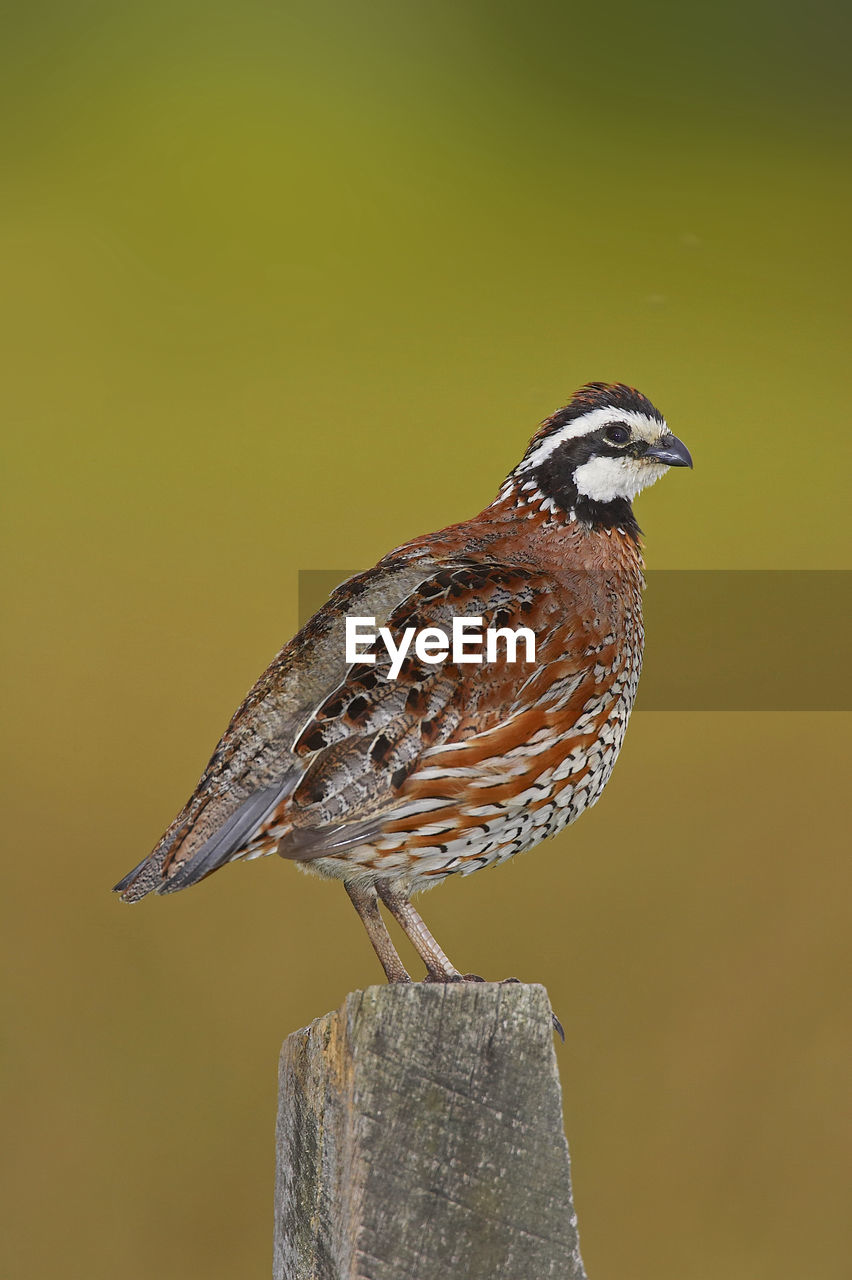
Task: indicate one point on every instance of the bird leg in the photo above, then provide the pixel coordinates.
(365, 903)
(437, 964)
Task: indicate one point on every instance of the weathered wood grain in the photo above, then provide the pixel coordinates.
(420, 1138)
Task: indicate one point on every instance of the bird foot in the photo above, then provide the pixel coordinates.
(462, 977)
(474, 977)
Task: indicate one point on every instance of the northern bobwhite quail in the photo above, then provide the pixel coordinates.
(392, 784)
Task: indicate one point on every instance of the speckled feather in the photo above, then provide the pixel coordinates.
(449, 767)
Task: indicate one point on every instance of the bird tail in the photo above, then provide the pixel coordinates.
(146, 877)
(169, 868)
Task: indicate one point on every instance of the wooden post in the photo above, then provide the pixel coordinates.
(420, 1138)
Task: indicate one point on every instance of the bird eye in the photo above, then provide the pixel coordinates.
(617, 433)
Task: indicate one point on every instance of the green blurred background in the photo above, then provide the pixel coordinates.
(284, 284)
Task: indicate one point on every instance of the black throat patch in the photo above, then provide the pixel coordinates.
(555, 479)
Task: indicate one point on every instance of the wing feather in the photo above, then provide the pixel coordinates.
(368, 750)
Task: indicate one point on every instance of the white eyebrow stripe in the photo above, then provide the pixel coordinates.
(588, 422)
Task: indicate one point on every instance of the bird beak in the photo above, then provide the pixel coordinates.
(670, 451)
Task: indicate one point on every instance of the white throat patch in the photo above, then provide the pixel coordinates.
(604, 479)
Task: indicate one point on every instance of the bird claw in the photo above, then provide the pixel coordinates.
(453, 977)
(557, 1025)
(474, 977)
(461, 977)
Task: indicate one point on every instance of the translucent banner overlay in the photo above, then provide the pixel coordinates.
(724, 639)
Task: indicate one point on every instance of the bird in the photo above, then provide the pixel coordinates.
(393, 776)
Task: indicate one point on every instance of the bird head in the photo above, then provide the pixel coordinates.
(594, 455)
